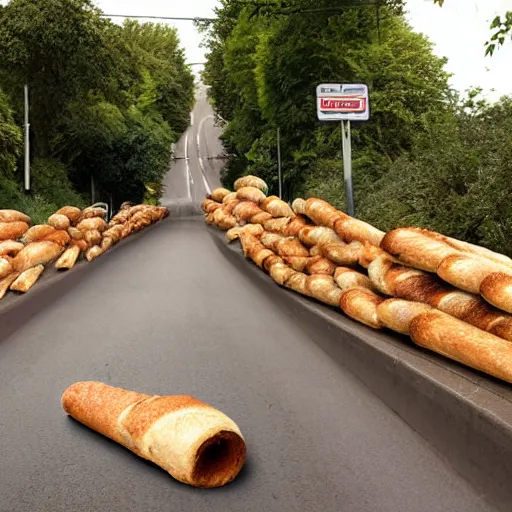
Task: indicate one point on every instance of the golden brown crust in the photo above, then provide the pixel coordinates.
(341, 253)
(92, 253)
(14, 216)
(36, 253)
(323, 213)
(219, 194)
(350, 230)
(318, 235)
(361, 305)
(59, 237)
(320, 265)
(294, 227)
(38, 232)
(10, 248)
(261, 218)
(279, 271)
(277, 225)
(466, 272)
(12, 230)
(244, 210)
(324, 289)
(496, 288)
(299, 206)
(91, 223)
(68, 258)
(276, 207)
(27, 279)
(250, 194)
(71, 212)
(347, 278)
(59, 221)
(6, 282)
(397, 314)
(99, 406)
(250, 181)
(5, 266)
(298, 263)
(464, 343)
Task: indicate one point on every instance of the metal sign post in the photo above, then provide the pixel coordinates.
(27, 142)
(345, 103)
(347, 165)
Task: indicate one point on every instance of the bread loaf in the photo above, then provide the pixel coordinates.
(27, 279)
(464, 343)
(195, 443)
(252, 194)
(13, 216)
(12, 230)
(250, 181)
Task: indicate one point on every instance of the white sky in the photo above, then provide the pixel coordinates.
(459, 31)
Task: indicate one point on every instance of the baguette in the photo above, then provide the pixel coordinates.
(467, 272)
(252, 194)
(347, 278)
(27, 279)
(361, 305)
(299, 206)
(68, 258)
(14, 216)
(5, 266)
(415, 285)
(195, 443)
(276, 207)
(250, 181)
(71, 212)
(496, 289)
(219, 194)
(417, 248)
(397, 314)
(322, 213)
(12, 230)
(6, 282)
(464, 343)
(36, 253)
(59, 221)
(355, 230)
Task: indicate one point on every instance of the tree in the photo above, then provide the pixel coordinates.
(502, 27)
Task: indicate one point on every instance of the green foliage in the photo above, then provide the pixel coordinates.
(10, 138)
(106, 101)
(427, 157)
(273, 64)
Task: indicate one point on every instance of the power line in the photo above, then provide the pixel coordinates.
(156, 17)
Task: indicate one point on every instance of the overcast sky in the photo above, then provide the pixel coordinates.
(459, 31)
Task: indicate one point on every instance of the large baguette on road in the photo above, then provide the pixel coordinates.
(197, 444)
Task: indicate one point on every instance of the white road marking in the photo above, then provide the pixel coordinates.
(198, 143)
(191, 118)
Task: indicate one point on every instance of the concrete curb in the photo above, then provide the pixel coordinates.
(16, 310)
(466, 416)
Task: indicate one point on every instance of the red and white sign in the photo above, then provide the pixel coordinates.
(343, 102)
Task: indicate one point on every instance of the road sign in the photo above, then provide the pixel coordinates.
(343, 102)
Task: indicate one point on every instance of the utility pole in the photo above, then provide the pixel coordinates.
(27, 143)
(279, 175)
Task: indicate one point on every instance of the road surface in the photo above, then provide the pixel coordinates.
(169, 313)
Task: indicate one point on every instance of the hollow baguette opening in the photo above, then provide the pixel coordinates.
(219, 459)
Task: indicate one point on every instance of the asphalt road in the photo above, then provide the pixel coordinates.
(170, 314)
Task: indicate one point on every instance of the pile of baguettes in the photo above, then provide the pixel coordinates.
(25, 251)
(449, 296)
